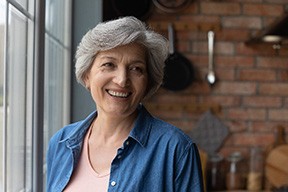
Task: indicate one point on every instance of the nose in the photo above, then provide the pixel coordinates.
(122, 78)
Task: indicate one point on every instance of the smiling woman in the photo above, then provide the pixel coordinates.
(121, 146)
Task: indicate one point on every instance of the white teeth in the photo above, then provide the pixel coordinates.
(118, 94)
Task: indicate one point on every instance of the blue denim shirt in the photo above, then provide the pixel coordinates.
(156, 157)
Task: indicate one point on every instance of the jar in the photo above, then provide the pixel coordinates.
(215, 178)
(234, 177)
(255, 175)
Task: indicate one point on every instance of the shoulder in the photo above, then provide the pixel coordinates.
(173, 140)
(168, 130)
(64, 132)
(73, 130)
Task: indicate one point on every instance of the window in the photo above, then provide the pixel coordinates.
(17, 86)
(2, 35)
(57, 68)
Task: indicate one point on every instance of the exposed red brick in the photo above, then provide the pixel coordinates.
(182, 47)
(185, 125)
(263, 9)
(234, 61)
(257, 75)
(272, 62)
(172, 98)
(262, 101)
(233, 35)
(256, 50)
(200, 19)
(242, 22)
(279, 89)
(252, 79)
(199, 47)
(192, 9)
(227, 101)
(278, 114)
(237, 125)
(166, 114)
(277, 1)
(283, 75)
(285, 105)
(224, 74)
(235, 88)
(220, 8)
(198, 61)
(200, 88)
(246, 114)
(250, 139)
(266, 126)
(224, 48)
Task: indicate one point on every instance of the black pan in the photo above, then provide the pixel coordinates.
(179, 72)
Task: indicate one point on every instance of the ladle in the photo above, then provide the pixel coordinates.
(211, 78)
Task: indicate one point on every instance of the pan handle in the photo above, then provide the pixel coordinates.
(171, 38)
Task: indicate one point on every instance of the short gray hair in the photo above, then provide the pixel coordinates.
(123, 31)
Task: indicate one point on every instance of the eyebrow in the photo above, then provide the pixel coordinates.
(113, 58)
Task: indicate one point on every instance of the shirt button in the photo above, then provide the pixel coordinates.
(119, 156)
(127, 142)
(113, 183)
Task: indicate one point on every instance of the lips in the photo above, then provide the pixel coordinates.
(119, 94)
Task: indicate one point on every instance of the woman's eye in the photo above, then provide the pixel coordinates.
(108, 65)
(137, 69)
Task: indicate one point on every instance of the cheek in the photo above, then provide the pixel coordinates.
(142, 87)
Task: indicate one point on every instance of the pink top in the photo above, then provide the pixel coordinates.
(84, 177)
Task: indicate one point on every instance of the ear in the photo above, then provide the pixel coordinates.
(86, 81)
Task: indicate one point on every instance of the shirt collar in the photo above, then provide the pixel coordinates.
(76, 136)
(142, 127)
(139, 133)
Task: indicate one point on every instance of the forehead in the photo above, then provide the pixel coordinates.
(132, 50)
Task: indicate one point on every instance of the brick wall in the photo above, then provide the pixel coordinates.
(252, 86)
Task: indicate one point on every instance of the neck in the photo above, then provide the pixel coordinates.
(110, 130)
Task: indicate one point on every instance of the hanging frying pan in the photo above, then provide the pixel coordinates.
(179, 72)
(169, 6)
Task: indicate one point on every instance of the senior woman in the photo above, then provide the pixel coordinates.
(121, 147)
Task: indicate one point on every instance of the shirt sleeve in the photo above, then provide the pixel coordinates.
(189, 171)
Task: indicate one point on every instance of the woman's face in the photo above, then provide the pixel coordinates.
(118, 79)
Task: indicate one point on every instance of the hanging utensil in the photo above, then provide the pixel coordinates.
(169, 6)
(211, 78)
(179, 72)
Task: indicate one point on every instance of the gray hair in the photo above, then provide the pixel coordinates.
(123, 31)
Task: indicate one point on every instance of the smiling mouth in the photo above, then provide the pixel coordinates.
(118, 94)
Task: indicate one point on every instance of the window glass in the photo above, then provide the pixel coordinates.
(23, 3)
(57, 67)
(2, 44)
(57, 64)
(27, 5)
(19, 97)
